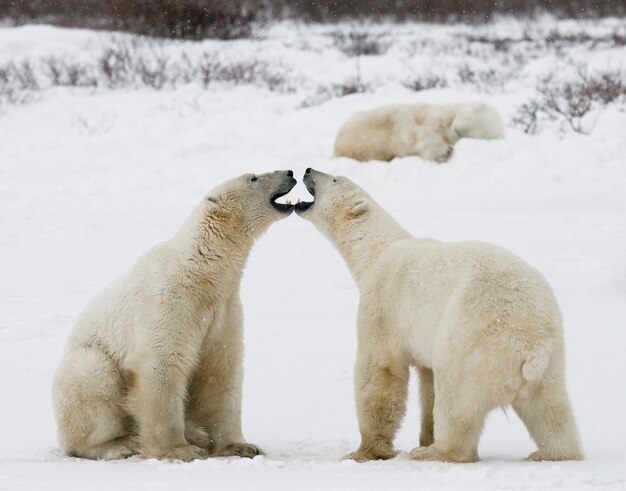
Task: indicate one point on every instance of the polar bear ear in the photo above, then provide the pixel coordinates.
(211, 205)
(359, 207)
(212, 202)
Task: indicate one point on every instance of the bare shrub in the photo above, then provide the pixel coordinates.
(134, 62)
(618, 38)
(184, 69)
(69, 73)
(558, 40)
(500, 44)
(535, 40)
(244, 72)
(605, 87)
(18, 83)
(24, 75)
(527, 117)
(360, 42)
(115, 63)
(570, 101)
(274, 77)
(153, 72)
(271, 76)
(484, 79)
(19, 76)
(425, 82)
(253, 72)
(556, 37)
(207, 68)
(351, 85)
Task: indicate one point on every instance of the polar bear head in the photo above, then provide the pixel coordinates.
(338, 202)
(243, 207)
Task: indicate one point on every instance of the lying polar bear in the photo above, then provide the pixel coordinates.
(482, 327)
(154, 363)
(426, 130)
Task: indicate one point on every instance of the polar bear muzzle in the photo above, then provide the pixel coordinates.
(309, 182)
(284, 187)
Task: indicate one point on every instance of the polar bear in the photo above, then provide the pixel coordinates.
(426, 130)
(481, 326)
(154, 363)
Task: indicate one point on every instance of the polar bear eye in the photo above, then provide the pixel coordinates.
(253, 178)
(334, 180)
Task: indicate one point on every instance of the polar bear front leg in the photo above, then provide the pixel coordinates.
(88, 400)
(381, 393)
(156, 398)
(216, 389)
(430, 144)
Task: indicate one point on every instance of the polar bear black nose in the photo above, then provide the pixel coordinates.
(290, 173)
(308, 170)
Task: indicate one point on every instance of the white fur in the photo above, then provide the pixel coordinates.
(427, 130)
(154, 363)
(482, 327)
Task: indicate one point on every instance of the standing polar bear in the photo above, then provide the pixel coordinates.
(154, 363)
(426, 130)
(482, 327)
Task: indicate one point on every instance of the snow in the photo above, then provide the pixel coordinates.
(89, 179)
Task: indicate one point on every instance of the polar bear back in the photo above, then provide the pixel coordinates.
(116, 318)
(430, 282)
(422, 265)
(368, 135)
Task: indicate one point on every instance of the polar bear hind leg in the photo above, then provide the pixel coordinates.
(88, 401)
(472, 376)
(546, 411)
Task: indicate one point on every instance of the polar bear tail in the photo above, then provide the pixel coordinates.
(536, 363)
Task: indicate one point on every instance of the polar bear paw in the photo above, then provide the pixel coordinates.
(123, 450)
(433, 454)
(439, 153)
(364, 456)
(245, 450)
(185, 453)
(538, 456)
(376, 451)
(196, 435)
(119, 448)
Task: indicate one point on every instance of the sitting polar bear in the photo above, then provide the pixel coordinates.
(482, 327)
(154, 363)
(426, 130)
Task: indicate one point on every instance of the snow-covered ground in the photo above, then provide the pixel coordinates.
(90, 178)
